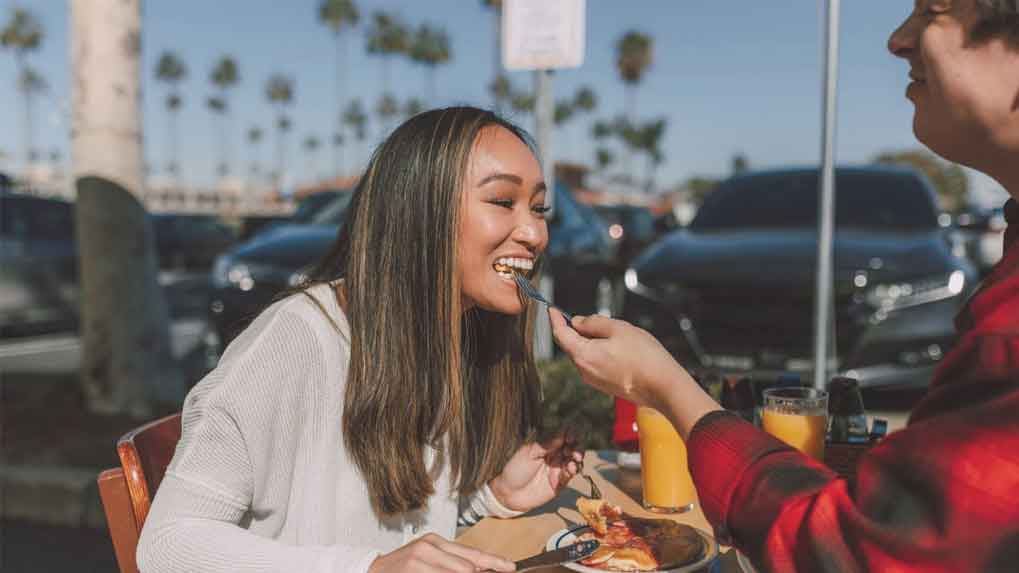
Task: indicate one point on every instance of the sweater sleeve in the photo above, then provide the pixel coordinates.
(481, 504)
(197, 518)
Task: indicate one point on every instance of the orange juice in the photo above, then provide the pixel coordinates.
(801, 431)
(665, 478)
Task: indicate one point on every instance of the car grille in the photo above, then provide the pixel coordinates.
(743, 322)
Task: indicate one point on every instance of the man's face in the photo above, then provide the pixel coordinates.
(965, 93)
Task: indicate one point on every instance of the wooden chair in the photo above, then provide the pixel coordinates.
(127, 491)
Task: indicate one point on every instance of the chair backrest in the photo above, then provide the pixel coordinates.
(120, 518)
(144, 454)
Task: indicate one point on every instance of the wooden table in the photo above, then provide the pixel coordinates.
(526, 535)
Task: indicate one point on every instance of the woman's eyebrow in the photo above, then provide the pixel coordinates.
(501, 177)
(539, 187)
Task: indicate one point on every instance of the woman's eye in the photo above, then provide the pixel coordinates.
(505, 203)
(541, 209)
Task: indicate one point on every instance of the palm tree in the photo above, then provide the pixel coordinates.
(126, 358)
(255, 134)
(386, 108)
(224, 77)
(171, 71)
(311, 144)
(501, 90)
(387, 37)
(23, 34)
(338, 140)
(603, 158)
(339, 15)
(412, 107)
(585, 100)
(280, 92)
(633, 57)
(30, 84)
(430, 48)
(355, 118)
(217, 106)
(497, 75)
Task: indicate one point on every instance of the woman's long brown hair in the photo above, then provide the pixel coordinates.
(422, 371)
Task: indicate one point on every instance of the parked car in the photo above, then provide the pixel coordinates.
(734, 291)
(631, 227)
(981, 236)
(247, 278)
(189, 241)
(38, 266)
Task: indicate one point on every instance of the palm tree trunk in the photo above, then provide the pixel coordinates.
(27, 128)
(171, 145)
(631, 117)
(280, 157)
(127, 364)
(496, 53)
(341, 62)
(430, 74)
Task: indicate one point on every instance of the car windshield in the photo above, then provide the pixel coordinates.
(312, 205)
(874, 200)
(333, 212)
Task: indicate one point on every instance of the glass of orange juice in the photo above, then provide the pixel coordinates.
(665, 479)
(798, 417)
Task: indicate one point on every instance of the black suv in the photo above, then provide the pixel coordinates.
(734, 291)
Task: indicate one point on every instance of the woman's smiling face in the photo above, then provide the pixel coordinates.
(502, 220)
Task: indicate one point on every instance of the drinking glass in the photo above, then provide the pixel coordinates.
(665, 480)
(798, 417)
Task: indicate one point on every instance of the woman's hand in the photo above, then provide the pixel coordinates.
(434, 553)
(537, 472)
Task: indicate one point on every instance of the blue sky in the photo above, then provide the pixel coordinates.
(729, 77)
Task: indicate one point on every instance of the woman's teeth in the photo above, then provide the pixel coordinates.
(507, 266)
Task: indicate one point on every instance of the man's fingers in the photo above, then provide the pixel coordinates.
(565, 337)
(596, 326)
(480, 559)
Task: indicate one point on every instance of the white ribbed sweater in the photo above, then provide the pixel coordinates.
(261, 480)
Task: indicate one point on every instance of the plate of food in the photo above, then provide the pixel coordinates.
(630, 543)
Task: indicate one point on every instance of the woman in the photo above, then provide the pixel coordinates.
(940, 495)
(351, 423)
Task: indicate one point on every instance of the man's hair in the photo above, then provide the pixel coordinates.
(998, 19)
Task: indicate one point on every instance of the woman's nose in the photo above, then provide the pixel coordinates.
(531, 232)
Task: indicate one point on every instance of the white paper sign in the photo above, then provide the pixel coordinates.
(542, 34)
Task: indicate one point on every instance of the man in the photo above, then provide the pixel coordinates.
(942, 494)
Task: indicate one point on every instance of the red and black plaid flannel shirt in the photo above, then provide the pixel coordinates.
(940, 495)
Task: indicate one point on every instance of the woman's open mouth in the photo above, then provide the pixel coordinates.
(506, 267)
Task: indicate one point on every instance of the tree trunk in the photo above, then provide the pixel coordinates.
(127, 364)
(341, 62)
(497, 54)
(28, 127)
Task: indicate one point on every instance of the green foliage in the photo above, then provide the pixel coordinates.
(170, 69)
(568, 402)
(633, 56)
(949, 180)
(430, 46)
(23, 33)
(387, 35)
(337, 13)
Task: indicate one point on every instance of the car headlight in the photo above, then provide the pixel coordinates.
(226, 272)
(667, 291)
(894, 296)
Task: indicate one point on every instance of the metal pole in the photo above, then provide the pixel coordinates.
(826, 210)
(543, 134)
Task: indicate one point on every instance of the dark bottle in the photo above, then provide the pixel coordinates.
(738, 397)
(848, 422)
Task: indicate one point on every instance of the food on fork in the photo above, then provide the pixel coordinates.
(597, 513)
(631, 543)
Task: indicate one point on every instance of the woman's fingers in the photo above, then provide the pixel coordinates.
(478, 560)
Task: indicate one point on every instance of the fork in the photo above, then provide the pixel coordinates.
(529, 290)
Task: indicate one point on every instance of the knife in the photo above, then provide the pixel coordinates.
(567, 554)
